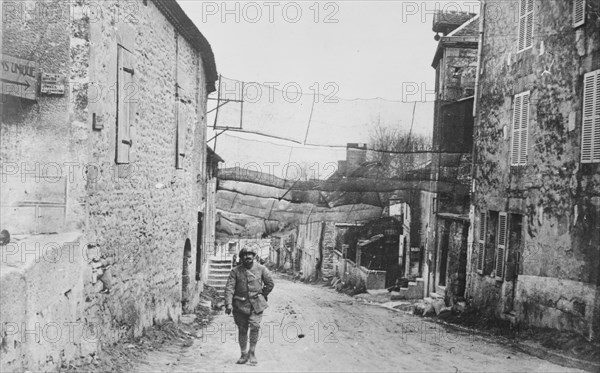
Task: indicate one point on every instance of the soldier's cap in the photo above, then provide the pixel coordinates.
(247, 250)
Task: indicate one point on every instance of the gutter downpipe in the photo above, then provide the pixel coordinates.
(476, 116)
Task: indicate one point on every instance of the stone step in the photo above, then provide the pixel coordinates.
(219, 269)
(414, 290)
(223, 262)
(219, 275)
(217, 283)
(220, 265)
(219, 289)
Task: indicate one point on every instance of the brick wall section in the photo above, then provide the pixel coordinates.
(141, 220)
(557, 195)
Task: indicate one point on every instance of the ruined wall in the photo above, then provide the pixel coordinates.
(558, 196)
(328, 246)
(458, 73)
(140, 219)
(309, 241)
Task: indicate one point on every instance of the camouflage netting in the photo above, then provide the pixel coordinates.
(252, 202)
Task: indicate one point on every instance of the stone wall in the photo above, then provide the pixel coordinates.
(141, 219)
(43, 142)
(453, 234)
(136, 222)
(43, 154)
(42, 321)
(328, 246)
(557, 196)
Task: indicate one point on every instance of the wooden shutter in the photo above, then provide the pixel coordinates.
(578, 12)
(126, 99)
(501, 246)
(181, 134)
(525, 24)
(520, 130)
(590, 131)
(481, 248)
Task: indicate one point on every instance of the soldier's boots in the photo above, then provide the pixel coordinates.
(243, 359)
(252, 359)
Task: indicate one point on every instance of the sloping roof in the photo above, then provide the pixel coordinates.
(447, 21)
(466, 36)
(469, 28)
(184, 25)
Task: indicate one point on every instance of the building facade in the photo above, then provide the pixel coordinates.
(103, 153)
(535, 255)
(455, 64)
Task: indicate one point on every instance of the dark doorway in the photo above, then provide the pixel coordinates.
(199, 247)
(515, 252)
(444, 242)
(185, 273)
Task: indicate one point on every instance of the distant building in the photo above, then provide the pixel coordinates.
(103, 159)
(536, 193)
(446, 211)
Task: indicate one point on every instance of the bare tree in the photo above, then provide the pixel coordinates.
(397, 151)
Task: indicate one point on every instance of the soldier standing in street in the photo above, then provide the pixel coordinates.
(246, 293)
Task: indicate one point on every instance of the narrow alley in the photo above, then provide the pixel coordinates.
(313, 328)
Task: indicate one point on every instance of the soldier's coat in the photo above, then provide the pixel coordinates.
(252, 285)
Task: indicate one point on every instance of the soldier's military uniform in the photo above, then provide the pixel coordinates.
(246, 291)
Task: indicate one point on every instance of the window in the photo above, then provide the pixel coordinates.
(525, 24)
(125, 104)
(578, 12)
(518, 154)
(501, 246)
(481, 247)
(590, 131)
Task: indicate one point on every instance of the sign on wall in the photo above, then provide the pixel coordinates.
(52, 84)
(19, 77)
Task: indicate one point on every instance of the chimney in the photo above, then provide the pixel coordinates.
(341, 168)
(356, 154)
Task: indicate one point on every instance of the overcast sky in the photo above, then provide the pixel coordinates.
(367, 49)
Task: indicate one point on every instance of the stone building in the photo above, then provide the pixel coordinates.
(455, 64)
(536, 193)
(103, 177)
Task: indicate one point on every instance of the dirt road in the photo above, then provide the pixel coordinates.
(311, 328)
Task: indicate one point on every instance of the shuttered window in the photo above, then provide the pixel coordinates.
(501, 245)
(126, 99)
(181, 118)
(590, 131)
(578, 12)
(520, 130)
(481, 243)
(525, 24)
